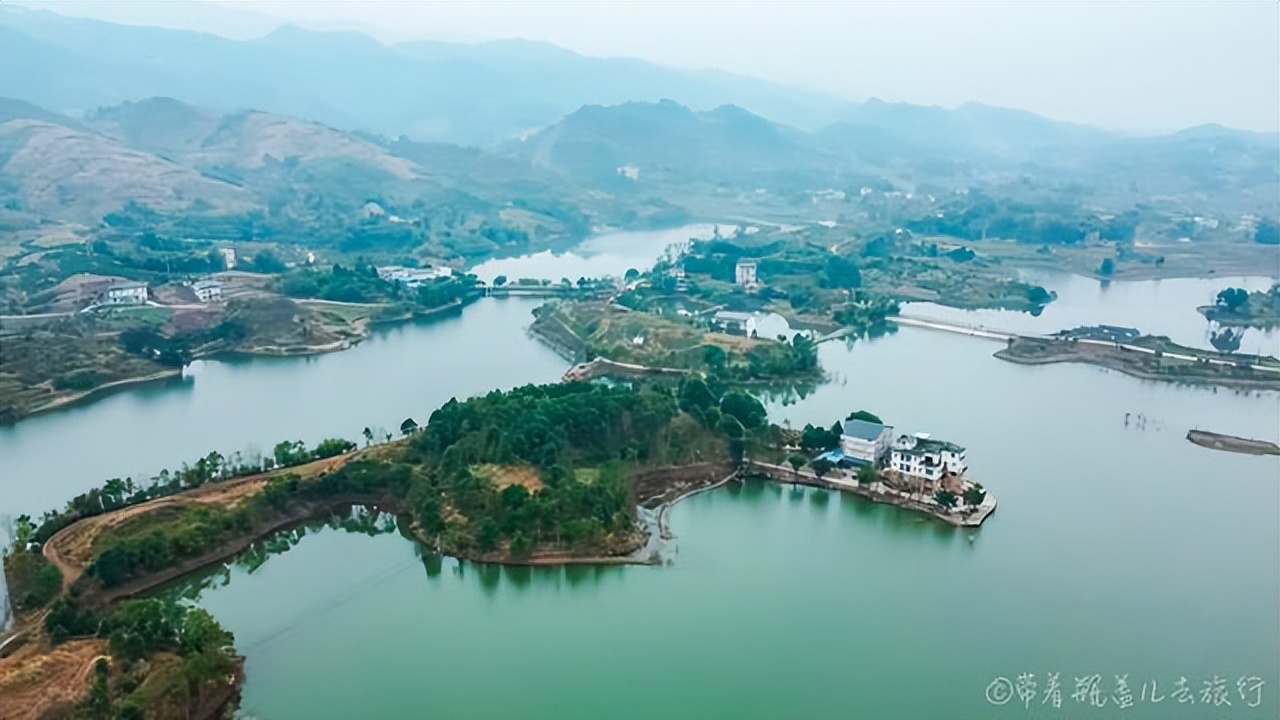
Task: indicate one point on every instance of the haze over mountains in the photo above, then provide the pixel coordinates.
(104, 114)
(461, 93)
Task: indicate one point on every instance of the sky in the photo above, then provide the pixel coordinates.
(1149, 66)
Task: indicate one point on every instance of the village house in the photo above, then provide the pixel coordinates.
(208, 290)
(920, 457)
(866, 442)
(412, 277)
(736, 323)
(126, 293)
(744, 273)
(228, 257)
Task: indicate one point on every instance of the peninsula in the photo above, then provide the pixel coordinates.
(553, 474)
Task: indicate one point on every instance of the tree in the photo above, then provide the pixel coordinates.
(1107, 268)
(796, 462)
(821, 466)
(487, 538)
(368, 436)
(520, 545)
(974, 494)
(867, 474)
(631, 275)
(745, 408)
(842, 273)
(945, 498)
(267, 262)
(408, 427)
(865, 417)
(816, 438)
(24, 530)
(1233, 298)
(500, 281)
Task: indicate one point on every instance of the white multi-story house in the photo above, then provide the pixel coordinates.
(207, 290)
(228, 257)
(920, 457)
(126, 293)
(744, 273)
(865, 441)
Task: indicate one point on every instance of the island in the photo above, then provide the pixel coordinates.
(1239, 307)
(1148, 357)
(1232, 443)
(573, 472)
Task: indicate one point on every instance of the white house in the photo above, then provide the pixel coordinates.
(228, 257)
(865, 441)
(126, 293)
(733, 322)
(744, 273)
(921, 457)
(412, 277)
(208, 290)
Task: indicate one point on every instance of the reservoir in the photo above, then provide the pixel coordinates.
(1116, 550)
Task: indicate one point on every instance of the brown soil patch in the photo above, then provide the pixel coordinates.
(505, 475)
(34, 681)
(729, 342)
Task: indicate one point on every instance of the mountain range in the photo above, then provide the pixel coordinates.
(471, 94)
(99, 114)
(173, 156)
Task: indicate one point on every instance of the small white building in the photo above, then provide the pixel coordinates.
(228, 257)
(737, 322)
(865, 441)
(126, 293)
(208, 290)
(744, 273)
(412, 277)
(920, 457)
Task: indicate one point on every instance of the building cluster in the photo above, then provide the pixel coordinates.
(918, 457)
(412, 277)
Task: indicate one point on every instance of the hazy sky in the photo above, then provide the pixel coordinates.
(1145, 66)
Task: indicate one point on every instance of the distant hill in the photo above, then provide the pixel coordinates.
(460, 93)
(665, 143)
(56, 167)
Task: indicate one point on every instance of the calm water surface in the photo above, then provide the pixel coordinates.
(611, 254)
(1156, 307)
(1114, 550)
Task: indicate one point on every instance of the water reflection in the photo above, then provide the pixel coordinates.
(355, 519)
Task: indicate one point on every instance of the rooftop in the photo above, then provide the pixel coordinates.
(126, 285)
(922, 443)
(863, 430)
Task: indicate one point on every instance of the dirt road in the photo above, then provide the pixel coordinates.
(71, 548)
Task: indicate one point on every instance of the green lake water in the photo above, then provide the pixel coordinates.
(1114, 549)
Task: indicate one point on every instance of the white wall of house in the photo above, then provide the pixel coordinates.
(872, 451)
(127, 295)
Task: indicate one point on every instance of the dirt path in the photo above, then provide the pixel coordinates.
(71, 548)
(33, 682)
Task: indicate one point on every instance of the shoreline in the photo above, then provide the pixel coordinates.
(88, 396)
(1109, 362)
(780, 474)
